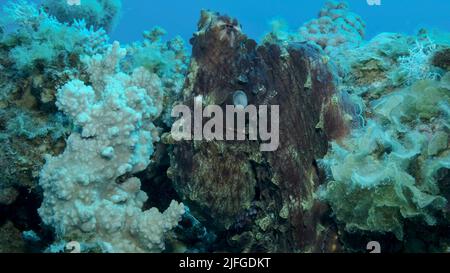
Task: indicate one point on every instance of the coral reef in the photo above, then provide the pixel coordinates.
(97, 13)
(25, 137)
(167, 59)
(24, 124)
(43, 51)
(40, 37)
(389, 176)
(162, 58)
(387, 62)
(374, 67)
(89, 195)
(417, 65)
(392, 171)
(37, 54)
(335, 27)
(10, 239)
(87, 155)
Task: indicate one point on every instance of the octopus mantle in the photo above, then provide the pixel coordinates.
(260, 201)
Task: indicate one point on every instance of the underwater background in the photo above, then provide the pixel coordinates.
(89, 161)
(180, 17)
(405, 16)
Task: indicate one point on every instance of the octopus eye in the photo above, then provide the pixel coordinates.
(240, 98)
(229, 26)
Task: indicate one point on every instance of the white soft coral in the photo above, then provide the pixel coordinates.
(417, 65)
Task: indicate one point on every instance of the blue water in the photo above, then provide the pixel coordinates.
(181, 16)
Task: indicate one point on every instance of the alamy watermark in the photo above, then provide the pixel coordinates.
(74, 2)
(374, 247)
(239, 122)
(374, 2)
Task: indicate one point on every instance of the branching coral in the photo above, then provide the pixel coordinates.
(20, 11)
(95, 41)
(166, 59)
(41, 37)
(89, 192)
(97, 13)
(391, 170)
(38, 53)
(417, 65)
(31, 127)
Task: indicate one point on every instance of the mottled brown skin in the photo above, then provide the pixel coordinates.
(441, 59)
(221, 180)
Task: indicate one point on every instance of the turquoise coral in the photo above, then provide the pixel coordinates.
(417, 65)
(39, 36)
(97, 13)
(167, 59)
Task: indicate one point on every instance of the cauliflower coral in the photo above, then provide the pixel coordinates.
(90, 194)
(336, 26)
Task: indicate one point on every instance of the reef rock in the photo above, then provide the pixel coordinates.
(231, 185)
(10, 239)
(392, 174)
